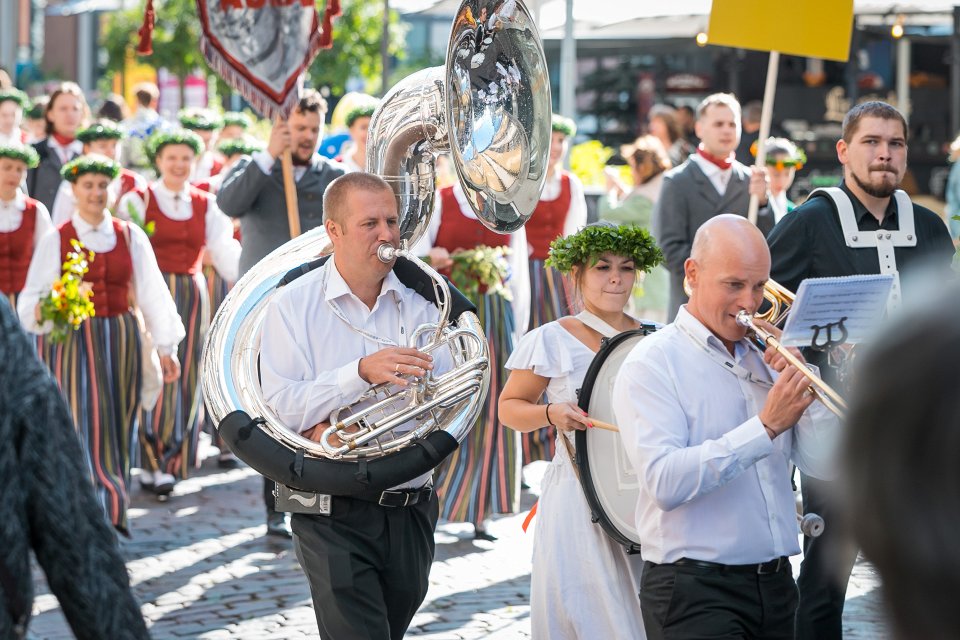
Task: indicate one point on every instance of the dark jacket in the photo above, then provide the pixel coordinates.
(44, 180)
(47, 504)
(257, 199)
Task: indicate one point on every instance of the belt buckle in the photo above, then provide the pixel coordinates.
(383, 496)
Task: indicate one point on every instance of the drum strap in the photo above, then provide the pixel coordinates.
(595, 323)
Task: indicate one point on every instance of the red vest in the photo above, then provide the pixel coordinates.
(216, 167)
(178, 244)
(110, 271)
(128, 182)
(546, 224)
(16, 249)
(457, 231)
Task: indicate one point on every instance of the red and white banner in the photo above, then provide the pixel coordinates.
(261, 48)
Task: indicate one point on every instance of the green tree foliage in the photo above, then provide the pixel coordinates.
(176, 37)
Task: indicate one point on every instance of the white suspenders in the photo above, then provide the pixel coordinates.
(884, 240)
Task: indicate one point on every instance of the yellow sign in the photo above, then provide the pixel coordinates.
(134, 73)
(809, 28)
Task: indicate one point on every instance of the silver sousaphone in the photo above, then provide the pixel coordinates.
(488, 107)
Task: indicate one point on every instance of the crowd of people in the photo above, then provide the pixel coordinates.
(158, 219)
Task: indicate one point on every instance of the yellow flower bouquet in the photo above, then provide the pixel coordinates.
(69, 302)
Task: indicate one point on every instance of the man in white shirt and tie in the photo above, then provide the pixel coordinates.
(327, 338)
(712, 426)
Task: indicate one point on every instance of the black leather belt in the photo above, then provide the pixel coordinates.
(762, 568)
(397, 497)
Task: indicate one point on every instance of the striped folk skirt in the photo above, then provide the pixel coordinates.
(483, 475)
(169, 434)
(550, 298)
(98, 370)
(217, 290)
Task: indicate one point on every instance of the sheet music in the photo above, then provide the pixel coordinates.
(859, 302)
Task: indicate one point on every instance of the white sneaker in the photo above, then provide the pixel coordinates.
(163, 482)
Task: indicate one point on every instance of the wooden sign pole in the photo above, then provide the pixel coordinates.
(766, 117)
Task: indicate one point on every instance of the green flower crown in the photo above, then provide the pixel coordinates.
(566, 126)
(201, 119)
(15, 95)
(587, 245)
(90, 164)
(237, 118)
(797, 160)
(100, 131)
(23, 153)
(159, 140)
(238, 147)
(360, 111)
(35, 110)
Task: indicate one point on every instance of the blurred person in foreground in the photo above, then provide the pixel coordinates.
(48, 505)
(901, 481)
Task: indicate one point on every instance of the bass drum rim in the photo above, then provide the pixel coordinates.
(585, 476)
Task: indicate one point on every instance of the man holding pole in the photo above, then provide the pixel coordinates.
(254, 192)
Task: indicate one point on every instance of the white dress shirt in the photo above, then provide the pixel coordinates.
(11, 217)
(65, 153)
(519, 277)
(15, 137)
(203, 167)
(64, 202)
(310, 357)
(718, 177)
(153, 296)
(219, 242)
(713, 485)
(265, 161)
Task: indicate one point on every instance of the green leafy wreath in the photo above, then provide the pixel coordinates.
(587, 245)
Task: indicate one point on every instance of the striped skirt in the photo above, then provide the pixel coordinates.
(550, 298)
(217, 289)
(483, 475)
(98, 370)
(170, 432)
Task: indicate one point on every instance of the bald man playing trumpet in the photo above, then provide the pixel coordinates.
(712, 425)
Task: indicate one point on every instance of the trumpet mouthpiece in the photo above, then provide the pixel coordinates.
(744, 319)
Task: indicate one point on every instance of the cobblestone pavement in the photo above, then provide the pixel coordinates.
(202, 568)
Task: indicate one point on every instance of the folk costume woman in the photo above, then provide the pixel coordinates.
(483, 475)
(183, 222)
(562, 210)
(98, 366)
(354, 154)
(13, 102)
(583, 584)
(206, 124)
(23, 220)
(102, 138)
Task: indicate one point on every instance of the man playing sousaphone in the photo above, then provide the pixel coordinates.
(583, 584)
(711, 426)
(327, 338)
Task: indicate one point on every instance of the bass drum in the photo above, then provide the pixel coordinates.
(606, 475)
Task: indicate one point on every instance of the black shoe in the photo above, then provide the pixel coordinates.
(228, 461)
(481, 534)
(278, 526)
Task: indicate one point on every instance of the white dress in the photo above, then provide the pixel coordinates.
(583, 584)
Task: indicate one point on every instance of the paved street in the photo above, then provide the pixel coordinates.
(202, 568)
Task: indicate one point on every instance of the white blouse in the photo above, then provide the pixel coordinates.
(11, 217)
(64, 202)
(519, 280)
(219, 242)
(153, 295)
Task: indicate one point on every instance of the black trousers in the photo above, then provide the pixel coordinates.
(684, 602)
(368, 566)
(268, 499)
(827, 563)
